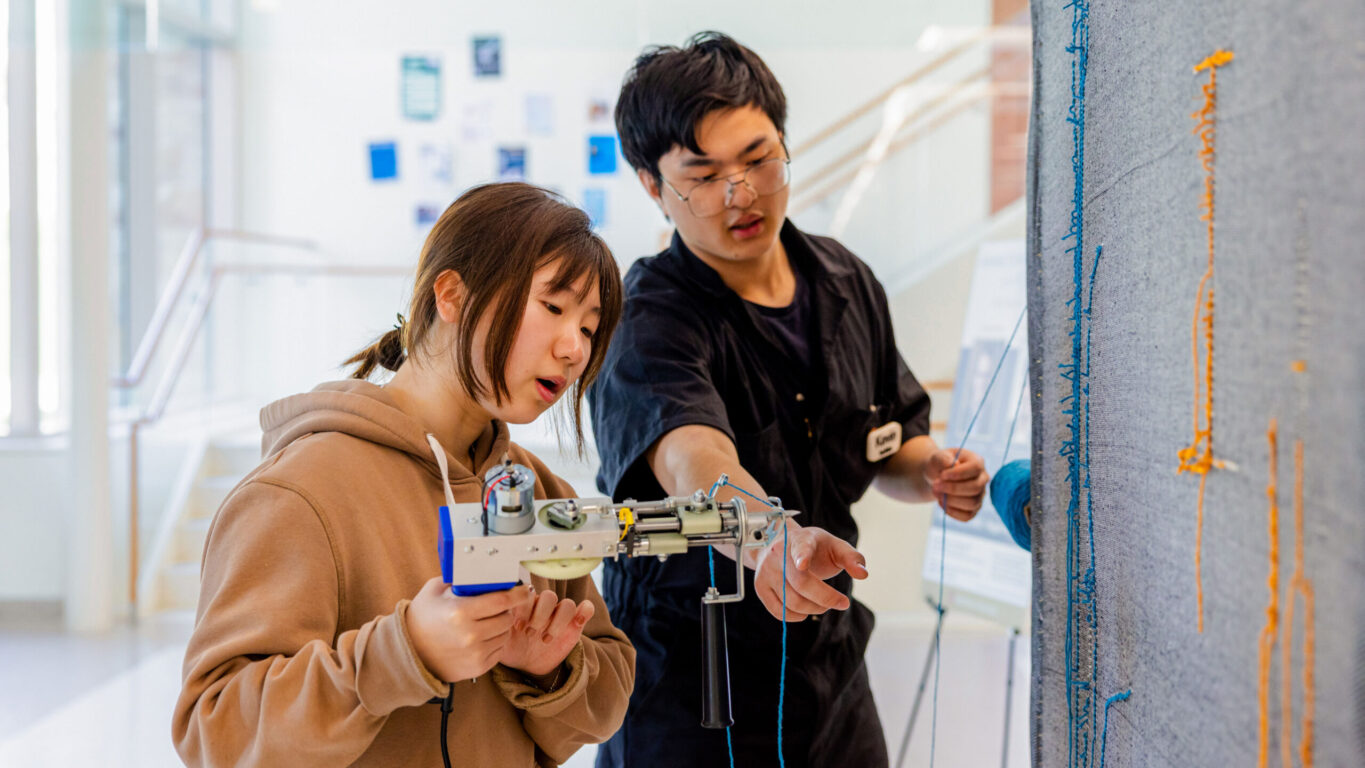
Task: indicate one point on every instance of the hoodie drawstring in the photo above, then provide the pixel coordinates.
(445, 472)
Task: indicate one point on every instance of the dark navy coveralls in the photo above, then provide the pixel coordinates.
(691, 351)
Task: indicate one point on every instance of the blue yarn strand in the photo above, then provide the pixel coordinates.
(1104, 734)
(1089, 579)
(782, 676)
(1018, 405)
(991, 383)
(943, 538)
(782, 679)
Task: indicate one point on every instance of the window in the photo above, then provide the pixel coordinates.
(51, 345)
(5, 302)
(159, 176)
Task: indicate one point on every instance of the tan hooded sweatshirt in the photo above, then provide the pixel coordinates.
(300, 654)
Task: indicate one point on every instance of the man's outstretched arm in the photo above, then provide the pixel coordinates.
(692, 457)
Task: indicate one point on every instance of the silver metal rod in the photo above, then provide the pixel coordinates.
(658, 525)
(316, 270)
(1009, 698)
(919, 692)
(175, 288)
(133, 500)
(711, 539)
(156, 328)
(156, 407)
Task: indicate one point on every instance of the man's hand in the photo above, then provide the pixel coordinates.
(961, 486)
(813, 555)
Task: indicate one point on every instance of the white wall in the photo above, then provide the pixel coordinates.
(33, 509)
(319, 79)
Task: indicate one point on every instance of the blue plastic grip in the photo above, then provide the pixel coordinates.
(445, 548)
(470, 590)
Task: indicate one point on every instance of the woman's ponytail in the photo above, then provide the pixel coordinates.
(386, 351)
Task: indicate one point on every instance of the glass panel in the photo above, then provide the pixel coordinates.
(180, 93)
(221, 15)
(51, 324)
(182, 10)
(161, 188)
(4, 221)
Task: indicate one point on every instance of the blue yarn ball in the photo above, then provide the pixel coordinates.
(1009, 496)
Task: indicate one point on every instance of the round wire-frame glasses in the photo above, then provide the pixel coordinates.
(712, 196)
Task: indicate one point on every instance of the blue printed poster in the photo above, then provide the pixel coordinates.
(421, 87)
(487, 56)
(383, 160)
(426, 214)
(512, 163)
(601, 154)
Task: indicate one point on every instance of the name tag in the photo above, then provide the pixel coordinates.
(883, 441)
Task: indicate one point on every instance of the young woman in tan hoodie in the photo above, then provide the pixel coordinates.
(322, 636)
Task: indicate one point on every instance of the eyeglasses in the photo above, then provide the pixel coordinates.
(710, 197)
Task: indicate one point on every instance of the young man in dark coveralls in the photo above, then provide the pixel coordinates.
(751, 348)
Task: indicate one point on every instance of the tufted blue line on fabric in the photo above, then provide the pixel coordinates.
(1080, 683)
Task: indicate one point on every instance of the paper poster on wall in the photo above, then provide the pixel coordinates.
(487, 56)
(599, 109)
(436, 163)
(421, 87)
(476, 120)
(426, 214)
(984, 571)
(512, 163)
(540, 114)
(383, 160)
(595, 205)
(601, 154)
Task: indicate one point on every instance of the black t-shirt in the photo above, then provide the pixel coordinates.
(690, 351)
(790, 326)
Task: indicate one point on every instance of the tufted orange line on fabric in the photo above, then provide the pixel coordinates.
(1301, 586)
(1272, 611)
(1198, 455)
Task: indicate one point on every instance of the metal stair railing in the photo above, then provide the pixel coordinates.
(171, 298)
(956, 97)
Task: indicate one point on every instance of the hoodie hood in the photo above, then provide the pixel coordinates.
(364, 410)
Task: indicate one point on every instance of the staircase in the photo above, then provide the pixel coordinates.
(170, 582)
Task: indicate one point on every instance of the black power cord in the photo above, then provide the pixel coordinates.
(447, 704)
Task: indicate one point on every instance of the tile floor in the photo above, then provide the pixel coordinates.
(105, 700)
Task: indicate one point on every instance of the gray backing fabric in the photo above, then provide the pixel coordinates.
(1289, 285)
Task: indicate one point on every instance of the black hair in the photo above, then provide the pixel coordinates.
(669, 90)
